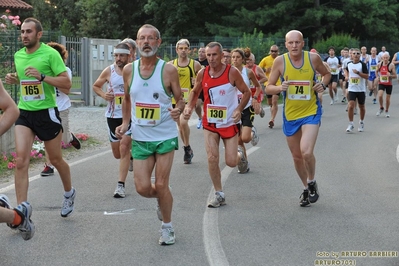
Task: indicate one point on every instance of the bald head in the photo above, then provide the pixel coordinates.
(294, 34)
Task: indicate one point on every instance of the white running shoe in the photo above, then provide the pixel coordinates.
(68, 204)
(243, 163)
(379, 111)
(167, 236)
(332, 102)
(387, 115)
(217, 201)
(119, 191)
(27, 227)
(349, 129)
(255, 137)
(199, 123)
(361, 127)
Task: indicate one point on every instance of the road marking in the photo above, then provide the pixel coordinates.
(213, 247)
(397, 153)
(33, 178)
(128, 211)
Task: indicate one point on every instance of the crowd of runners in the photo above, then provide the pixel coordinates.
(150, 102)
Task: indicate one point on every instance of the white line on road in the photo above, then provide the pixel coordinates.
(128, 211)
(213, 247)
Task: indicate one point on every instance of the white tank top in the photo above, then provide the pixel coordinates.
(151, 120)
(244, 74)
(63, 101)
(115, 85)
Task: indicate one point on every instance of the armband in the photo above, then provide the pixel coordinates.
(324, 86)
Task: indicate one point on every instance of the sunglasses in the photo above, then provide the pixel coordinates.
(274, 51)
(356, 53)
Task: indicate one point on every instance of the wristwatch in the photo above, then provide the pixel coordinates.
(324, 86)
(42, 77)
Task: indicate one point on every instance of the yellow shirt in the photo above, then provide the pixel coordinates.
(185, 75)
(267, 62)
(300, 99)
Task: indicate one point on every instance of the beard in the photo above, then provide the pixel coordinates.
(154, 50)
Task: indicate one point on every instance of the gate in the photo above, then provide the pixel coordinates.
(78, 50)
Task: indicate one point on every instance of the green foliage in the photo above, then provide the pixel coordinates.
(338, 41)
(256, 41)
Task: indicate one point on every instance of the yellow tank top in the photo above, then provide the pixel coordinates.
(185, 75)
(300, 99)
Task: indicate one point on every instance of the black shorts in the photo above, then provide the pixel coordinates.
(46, 124)
(334, 78)
(247, 117)
(113, 123)
(360, 96)
(271, 95)
(341, 76)
(201, 96)
(386, 88)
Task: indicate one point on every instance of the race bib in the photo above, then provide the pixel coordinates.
(119, 99)
(373, 68)
(334, 71)
(184, 94)
(355, 80)
(32, 90)
(384, 79)
(299, 90)
(217, 114)
(148, 114)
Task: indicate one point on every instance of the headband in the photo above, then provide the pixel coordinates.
(121, 51)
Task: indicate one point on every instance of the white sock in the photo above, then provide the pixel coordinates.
(221, 193)
(166, 225)
(68, 193)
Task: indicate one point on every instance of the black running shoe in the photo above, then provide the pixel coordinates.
(188, 155)
(75, 142)
(313, 192)
(304, 198)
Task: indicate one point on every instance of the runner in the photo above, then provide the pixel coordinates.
(148, 105)
(302, 110)
(219, 82)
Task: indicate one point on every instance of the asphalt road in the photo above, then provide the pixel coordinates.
(262, 223)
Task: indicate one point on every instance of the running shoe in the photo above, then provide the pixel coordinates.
(75, 142)
(119, 191)
(68, 204)
(332, 102)
(27, 227)
(374, 101)
(370, 93)
(387, 114)
(48, 170)
(246, 171)
(380, 111)
(304, 198)
(313, 192)
(255, 137)
(343, 100)
(271, 123)
(199, 123)
(349, 129)
(188, 155)
(355, 111)
(361, 127)
(167, 236)
(131, 165)
(262, 113)
(217, 201)
(5, 203)
(243, 163)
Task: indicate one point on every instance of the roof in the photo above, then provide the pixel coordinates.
(14, 4)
